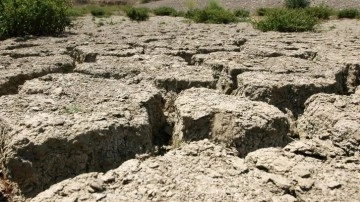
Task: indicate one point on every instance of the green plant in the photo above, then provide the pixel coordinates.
(297, 3)
(349, 13)
(34, 17)
(165, 11)
(212, 13)
(241, 13)
(287, 20)
(95, 10)
(321, 12)
(98, 12)
(137, 14)
(264, 11)
(74, 12)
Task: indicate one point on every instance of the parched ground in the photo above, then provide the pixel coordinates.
(169, 110)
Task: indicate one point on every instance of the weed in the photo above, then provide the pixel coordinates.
(321, 12)
(264, 11)
(137, 14)
(349, 13)
(213, 13)
(165, 11)
(75, 12)
(241, 13)
(287, 20)
(95, 10)
(297, 3)
(34, 17)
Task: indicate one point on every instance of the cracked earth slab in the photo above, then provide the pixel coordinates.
(14, 72)
(332, 118)
(61, 125)
(125, 72)
(201, 171)
(242, 123)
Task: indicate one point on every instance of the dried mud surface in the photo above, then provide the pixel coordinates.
(168, 110)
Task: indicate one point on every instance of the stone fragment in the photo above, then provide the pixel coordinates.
(284, 198)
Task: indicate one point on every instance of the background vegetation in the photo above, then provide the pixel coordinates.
(33, 17)
(287, 20)
(52, 17)
(212, 13)
(349, 13)
(297, 3)
(137, 14)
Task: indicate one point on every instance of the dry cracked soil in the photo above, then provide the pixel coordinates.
(168, 110)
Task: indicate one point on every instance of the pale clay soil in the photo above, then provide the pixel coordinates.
(169, 110)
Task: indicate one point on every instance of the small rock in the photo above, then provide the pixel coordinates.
(108, 178)
(284, 198)
(153, 165)
(279, 181)
(306, 184)
(334, 185)
(98, 197)
(97, 185)
(71, 199)
(58, 91)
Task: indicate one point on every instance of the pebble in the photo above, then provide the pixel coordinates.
(334, 185)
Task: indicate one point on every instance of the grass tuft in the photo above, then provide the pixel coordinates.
(212, 13)
(287, 20)
(137, 14)
(351, 13)
(165, 11)
(242, 13)
(321, 12)
(296, 3)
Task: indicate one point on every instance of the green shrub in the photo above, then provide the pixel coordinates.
(34, 17)
(297, 3)
(264, 11)
(97, 11)
(321, 12)
(349, 13)
(213, 13)
(287, 20)
(137, 14)
(242, 13)
(74, 12)
(165, 11)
